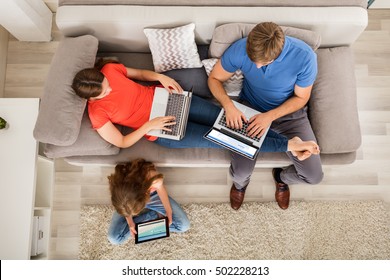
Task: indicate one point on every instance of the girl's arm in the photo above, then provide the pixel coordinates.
(146, 75)
(158, 185)
(131, 224)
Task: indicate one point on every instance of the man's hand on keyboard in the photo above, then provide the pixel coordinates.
(258, 124)
(162, 123)
(234, 117)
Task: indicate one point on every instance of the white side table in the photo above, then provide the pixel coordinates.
(18, 176)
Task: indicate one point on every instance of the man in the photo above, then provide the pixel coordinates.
(279, 72)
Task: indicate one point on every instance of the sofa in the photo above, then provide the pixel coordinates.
(130, 30)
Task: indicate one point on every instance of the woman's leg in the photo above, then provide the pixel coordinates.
(192, 139)
(202, 116)
(274, 142)
(203, 111)
(180, 222)
(118, 231)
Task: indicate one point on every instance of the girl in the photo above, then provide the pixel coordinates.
(138, 194)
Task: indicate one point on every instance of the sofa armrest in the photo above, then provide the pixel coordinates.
(61, 110)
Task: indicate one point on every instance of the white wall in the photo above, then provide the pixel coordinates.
(27, 20)
(3, 58)
(380, 4)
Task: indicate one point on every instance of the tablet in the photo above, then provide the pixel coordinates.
(152, 230)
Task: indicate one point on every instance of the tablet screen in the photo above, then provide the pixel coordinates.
(151, 230)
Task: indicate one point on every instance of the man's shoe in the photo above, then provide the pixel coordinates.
(282, 193)
(236, 197)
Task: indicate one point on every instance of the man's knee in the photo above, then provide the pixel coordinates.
(313, 178)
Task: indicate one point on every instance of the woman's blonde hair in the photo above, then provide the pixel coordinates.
(130, 186)
(265, 42)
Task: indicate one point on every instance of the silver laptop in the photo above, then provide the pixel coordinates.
(174, 104)
(236, 140)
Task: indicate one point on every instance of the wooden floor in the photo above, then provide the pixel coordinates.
(367, 178)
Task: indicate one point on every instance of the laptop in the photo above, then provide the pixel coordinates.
(236, 140)
(174, 104)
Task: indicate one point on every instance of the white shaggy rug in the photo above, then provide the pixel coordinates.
(306, 230)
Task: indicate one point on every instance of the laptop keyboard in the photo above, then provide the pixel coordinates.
(175, 108)
(241, 131)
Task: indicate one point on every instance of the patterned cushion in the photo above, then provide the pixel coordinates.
(232, 86)
(173, 48)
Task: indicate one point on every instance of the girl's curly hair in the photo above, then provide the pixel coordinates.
(130, 186)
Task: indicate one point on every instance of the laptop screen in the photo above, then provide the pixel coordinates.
(232, 143)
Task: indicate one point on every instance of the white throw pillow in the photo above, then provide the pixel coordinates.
(232, 86)
(173, 48)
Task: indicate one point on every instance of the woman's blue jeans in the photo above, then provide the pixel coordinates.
(201, 118)
(119, 231)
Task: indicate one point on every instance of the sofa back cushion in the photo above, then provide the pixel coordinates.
(280, 3)
(122, 30)
(333, 111)
(61, 110)
(226, 34)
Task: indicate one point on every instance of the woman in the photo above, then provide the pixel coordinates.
(138, 194)
(115, 98)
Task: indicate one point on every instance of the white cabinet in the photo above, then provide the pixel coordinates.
(43, 205)
(26, 180)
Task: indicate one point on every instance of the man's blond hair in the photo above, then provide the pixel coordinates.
(265, 42)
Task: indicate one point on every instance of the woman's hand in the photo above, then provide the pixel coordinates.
(161, 123)
(169, 84)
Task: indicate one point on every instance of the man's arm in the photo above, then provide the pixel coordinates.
(218, 75)
(260, 122)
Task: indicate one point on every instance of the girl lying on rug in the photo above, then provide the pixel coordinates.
(138, 194)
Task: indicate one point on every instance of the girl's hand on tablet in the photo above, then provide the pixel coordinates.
(133, 232)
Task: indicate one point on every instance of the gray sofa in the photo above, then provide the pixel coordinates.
(115, 28)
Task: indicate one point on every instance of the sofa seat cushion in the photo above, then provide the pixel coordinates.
(333, 109)
(61, 109)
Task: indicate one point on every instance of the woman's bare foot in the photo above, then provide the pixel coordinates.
(302, 149)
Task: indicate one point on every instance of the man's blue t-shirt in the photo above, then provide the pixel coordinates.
(269, 86)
